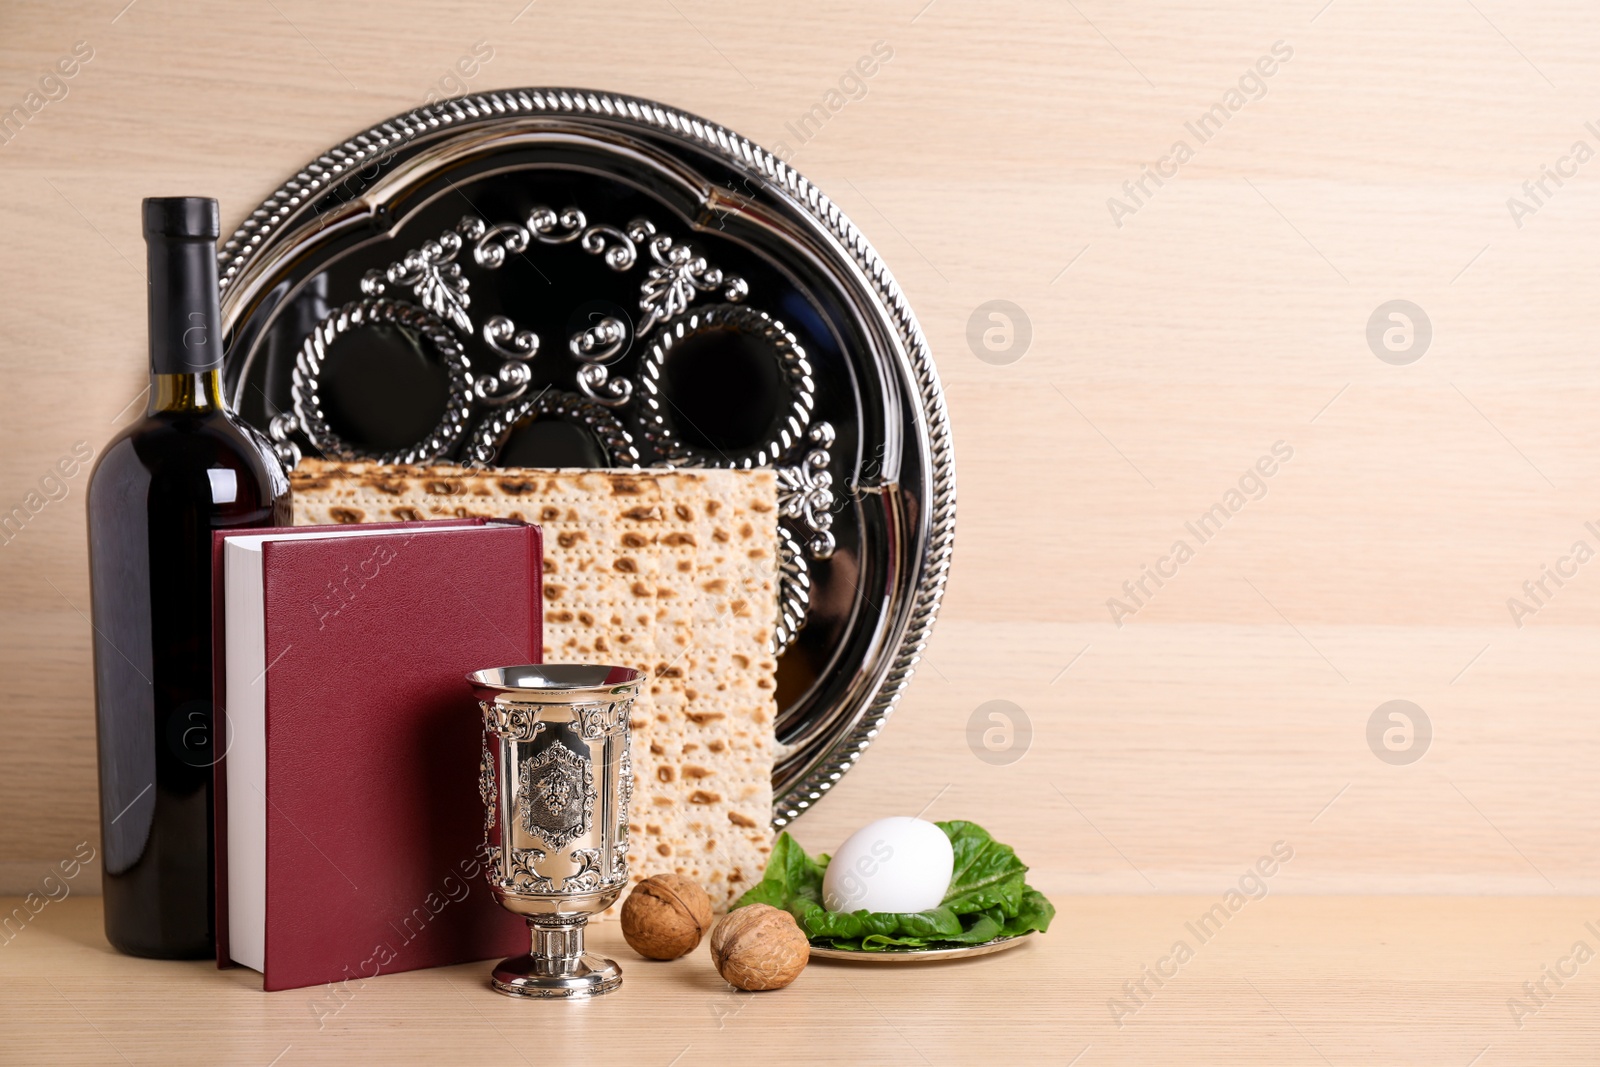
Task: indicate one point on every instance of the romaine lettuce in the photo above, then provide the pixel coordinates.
(987, 898)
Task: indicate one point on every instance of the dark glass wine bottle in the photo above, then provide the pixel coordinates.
(158, 491)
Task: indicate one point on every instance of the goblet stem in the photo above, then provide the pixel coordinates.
(557, 966)
(560, 943)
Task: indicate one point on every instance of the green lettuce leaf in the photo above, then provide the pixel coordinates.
(975, 929)
(987, 898)
(986, 874)
(1034, 913)
(818, 922)
(791, 875)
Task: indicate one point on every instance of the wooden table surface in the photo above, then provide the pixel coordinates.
(1286, 980)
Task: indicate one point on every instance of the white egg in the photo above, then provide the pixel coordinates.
(894, 864)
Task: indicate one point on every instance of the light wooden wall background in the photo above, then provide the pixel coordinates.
(1167, 355)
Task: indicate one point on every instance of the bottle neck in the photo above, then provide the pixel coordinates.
(193, 393)
(185, 317)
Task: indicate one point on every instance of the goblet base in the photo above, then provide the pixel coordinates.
(533, 976)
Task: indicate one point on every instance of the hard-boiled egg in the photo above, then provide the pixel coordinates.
(895, 864)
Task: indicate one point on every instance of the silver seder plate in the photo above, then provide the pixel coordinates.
(554, 277)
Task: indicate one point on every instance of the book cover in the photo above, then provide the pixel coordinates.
(372, 818)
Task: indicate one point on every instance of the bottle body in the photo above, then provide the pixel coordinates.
(158, 491)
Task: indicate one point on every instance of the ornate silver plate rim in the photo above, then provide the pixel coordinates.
(889, 671)
(921, 955)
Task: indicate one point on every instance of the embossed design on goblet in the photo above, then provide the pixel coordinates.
(558, 775)
(488, 789)
(558, 796)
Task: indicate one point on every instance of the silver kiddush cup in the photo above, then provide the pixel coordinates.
(555, 780)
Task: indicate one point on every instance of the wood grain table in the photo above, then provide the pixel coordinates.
(1283, 981)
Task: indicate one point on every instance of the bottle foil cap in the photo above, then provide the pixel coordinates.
(182, 216)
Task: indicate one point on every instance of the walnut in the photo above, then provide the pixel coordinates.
(759, 947)
(665, 916)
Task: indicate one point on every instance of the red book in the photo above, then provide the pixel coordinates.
(348, 820)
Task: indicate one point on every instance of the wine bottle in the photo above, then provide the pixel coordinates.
(159, 489)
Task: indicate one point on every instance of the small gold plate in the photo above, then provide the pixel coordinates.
(920, 955)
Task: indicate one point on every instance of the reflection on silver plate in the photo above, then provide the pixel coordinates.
(553, 277)
(920, 955)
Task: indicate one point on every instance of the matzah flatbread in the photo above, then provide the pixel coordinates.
(673, 572)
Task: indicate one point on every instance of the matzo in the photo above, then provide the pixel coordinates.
(673, 572)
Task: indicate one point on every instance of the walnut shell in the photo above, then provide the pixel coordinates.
(665, 916)
(759, 947)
